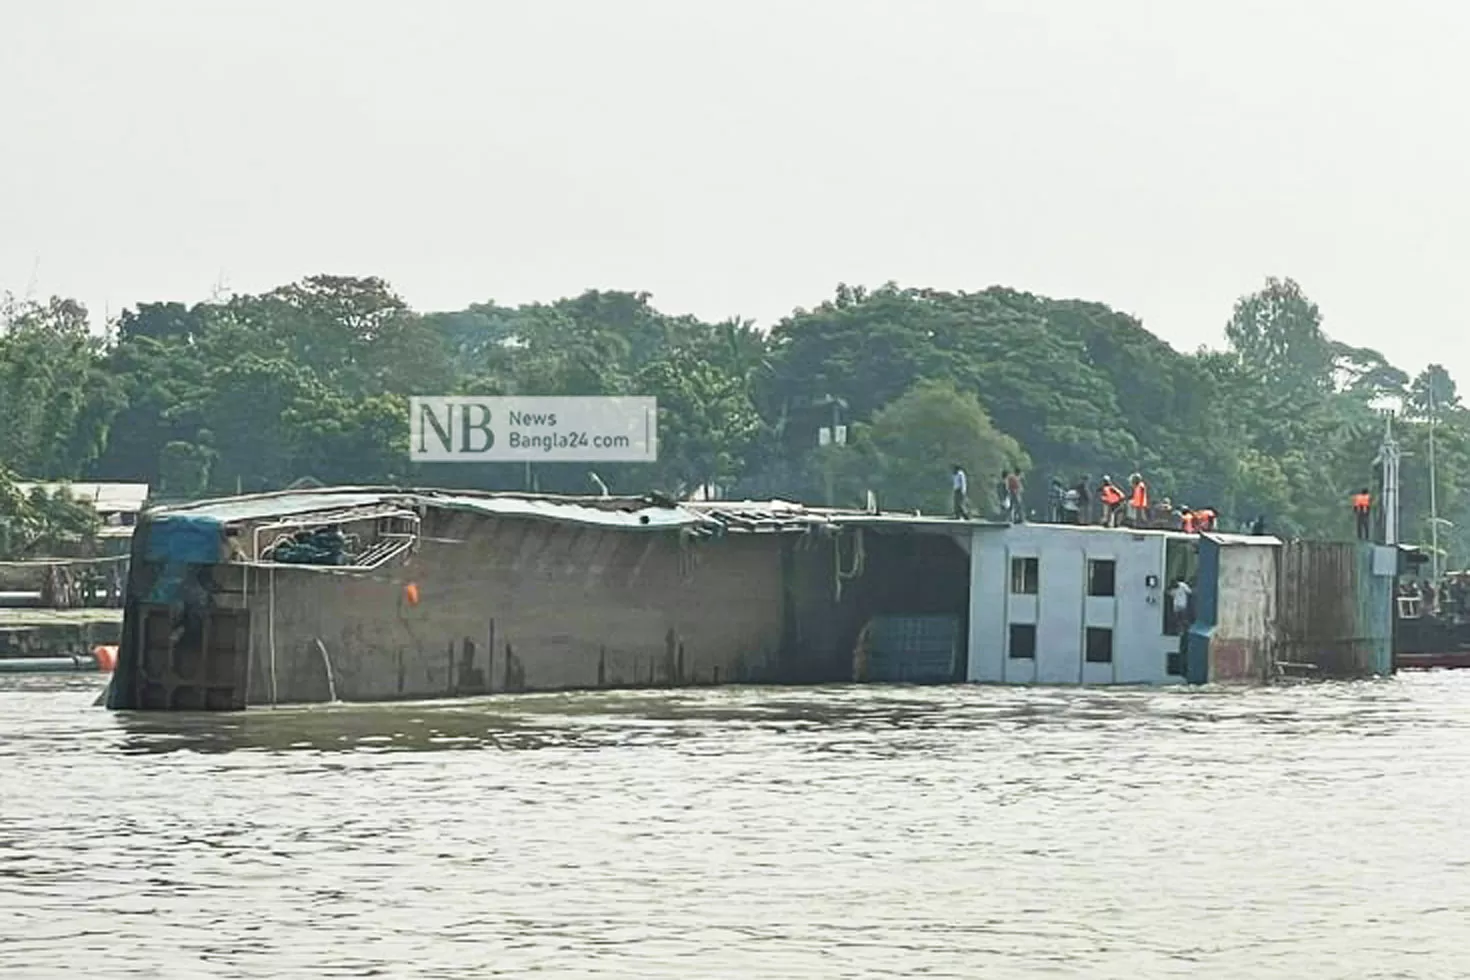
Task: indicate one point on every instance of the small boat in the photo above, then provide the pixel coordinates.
(1423, 639)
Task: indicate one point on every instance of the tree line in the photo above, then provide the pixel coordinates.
(312, 380)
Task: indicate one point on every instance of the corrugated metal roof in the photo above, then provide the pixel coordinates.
(250, 508)
(106, 498)
(751, 516)
(647, 518)
(914, 521)
(1226, 540)
(629, 513)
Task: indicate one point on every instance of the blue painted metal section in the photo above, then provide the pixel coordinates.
(913, 649)
(1206, 615)
(176, 542)
(186, 538)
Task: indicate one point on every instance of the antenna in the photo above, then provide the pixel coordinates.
(1433, 481)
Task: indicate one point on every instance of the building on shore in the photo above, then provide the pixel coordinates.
(369, 594)
(117, 504)
(68, 600)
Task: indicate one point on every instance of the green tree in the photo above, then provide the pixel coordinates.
(41, 522)
(1277, 334)
(906, 452)
(59, 403)
(1433, 392)
(706, 420)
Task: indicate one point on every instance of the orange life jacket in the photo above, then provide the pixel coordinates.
(1188, 521)
(1206, 519)
(1362, 502)
(1111, 495)
(1140, 495)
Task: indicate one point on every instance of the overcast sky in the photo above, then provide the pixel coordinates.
(743, 158)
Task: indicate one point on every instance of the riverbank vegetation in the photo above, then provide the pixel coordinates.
(312, 380)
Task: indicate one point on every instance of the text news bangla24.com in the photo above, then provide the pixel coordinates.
(447, 429)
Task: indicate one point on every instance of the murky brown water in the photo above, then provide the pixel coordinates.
(1302, 832)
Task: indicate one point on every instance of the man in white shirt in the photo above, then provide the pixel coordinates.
(961, 492)
(1179, 599)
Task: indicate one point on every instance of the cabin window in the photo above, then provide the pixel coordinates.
(1023, 641)
(1099, 645)
(1025, 575)
(1102, 574)
(1181, 561)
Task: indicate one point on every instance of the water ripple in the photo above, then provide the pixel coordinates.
(1308, 830)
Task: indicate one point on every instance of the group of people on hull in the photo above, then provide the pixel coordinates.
(1107, 504)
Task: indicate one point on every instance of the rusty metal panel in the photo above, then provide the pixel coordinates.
(1327, 594)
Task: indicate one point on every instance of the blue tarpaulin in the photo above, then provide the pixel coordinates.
(185, 538)
(177, 541)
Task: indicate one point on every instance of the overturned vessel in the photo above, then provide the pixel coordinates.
(373, 594)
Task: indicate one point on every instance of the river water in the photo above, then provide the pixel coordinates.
(1312, 831)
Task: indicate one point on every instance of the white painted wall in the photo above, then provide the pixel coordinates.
(1246, 613)
(1061, 609)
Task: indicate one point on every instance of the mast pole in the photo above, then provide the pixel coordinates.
(1433, 489)
(1388, 458)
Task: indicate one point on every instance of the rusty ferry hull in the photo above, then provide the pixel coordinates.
(444, 595)
(370, 594)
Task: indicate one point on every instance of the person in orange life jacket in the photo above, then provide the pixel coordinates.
(1112, 499)
(1362, 508)
(1138, 502)
(1204, 519)
(1187, 522)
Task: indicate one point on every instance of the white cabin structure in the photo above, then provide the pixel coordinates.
(1058, 604)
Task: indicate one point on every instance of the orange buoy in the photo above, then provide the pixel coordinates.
(411, 593)
(106, 657)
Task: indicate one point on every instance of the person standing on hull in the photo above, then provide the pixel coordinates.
(1362, 508)
(1056, 496)
(1072, 506)
(1084, 500)
(1112, 499)
(1138, 502)
(961, 493)
(1013, 497)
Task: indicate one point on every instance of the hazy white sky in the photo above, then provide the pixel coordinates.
(743, 158)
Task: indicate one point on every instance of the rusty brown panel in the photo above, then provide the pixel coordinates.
(1318, 585)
